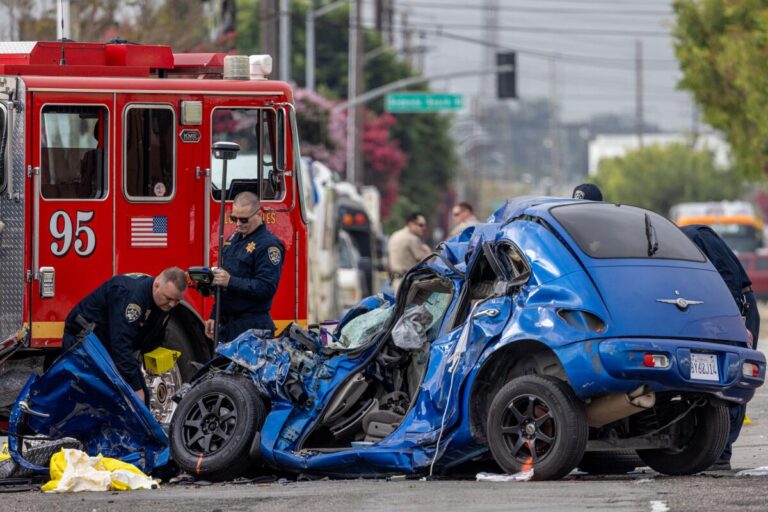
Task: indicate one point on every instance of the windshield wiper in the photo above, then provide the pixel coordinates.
(650, 235)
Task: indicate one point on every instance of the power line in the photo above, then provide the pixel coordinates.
(587, 60)
(551, 30)
(542, 10)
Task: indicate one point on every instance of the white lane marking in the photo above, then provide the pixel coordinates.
(659, 506)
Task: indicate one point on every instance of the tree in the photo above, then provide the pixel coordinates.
(423, 139)
(658, 177)
(722, 46)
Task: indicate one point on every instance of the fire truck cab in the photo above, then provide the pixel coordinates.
(106, 168)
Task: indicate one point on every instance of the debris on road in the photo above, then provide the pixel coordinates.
(74, 471)
(761, 471)
(521, 476)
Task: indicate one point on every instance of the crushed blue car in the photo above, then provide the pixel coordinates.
(83, 398)
(556, 330)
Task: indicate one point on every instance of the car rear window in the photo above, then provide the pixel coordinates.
(604, 230)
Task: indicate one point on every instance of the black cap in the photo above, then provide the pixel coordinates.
(587, 191)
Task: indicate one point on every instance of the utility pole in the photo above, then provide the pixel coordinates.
(554, 128)
(639, 91)
(285, 40)
(383, 17)
(407, 39)
(352, 89)
(312, 15)
(269, 41)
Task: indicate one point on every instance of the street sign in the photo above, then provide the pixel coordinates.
(422, 102)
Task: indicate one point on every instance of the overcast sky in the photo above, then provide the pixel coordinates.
(593, 42)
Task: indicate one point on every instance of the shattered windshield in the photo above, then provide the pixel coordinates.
(361, 329)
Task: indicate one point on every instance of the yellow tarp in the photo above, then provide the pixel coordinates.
(74, 471)
(4, 452)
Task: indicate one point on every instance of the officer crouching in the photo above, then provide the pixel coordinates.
(128, 314)
(249, 275)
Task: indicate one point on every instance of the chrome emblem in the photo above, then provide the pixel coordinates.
(681, 302)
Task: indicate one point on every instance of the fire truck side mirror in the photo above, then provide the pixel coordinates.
(225, 150)
(281, 150)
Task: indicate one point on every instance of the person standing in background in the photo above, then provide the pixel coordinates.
(407, 247)
(463, 216)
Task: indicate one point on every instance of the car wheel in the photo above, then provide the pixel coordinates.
(214, 425)
(537, 421)
(610, 463)
(707, 429)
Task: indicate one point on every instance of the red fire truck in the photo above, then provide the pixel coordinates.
(106, 168)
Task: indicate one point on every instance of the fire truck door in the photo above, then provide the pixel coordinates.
(72, 194)
(161, 175)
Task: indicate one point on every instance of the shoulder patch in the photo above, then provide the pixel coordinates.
(132, 312)
(274, 255)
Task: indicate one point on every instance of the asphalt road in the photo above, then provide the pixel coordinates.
(643, 490)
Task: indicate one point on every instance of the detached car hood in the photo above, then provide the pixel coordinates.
(693, 303)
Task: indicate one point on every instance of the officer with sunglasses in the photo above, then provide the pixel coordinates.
(253, 262)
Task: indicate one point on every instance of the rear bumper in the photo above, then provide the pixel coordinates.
(617, 365)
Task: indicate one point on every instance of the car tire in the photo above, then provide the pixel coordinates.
(212, 429)
(537, 421)
(610, 463)
(710, 429)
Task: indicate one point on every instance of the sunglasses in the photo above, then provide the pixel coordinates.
(242, 220)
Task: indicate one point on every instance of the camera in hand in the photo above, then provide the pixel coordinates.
(202, 279)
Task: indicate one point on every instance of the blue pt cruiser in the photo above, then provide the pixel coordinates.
(556, 332)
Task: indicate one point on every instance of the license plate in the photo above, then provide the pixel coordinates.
(704, 367)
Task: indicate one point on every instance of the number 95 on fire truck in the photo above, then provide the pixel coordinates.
(106, 168)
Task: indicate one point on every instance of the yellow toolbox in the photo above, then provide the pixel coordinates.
(160, 360)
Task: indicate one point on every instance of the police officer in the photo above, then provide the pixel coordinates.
(253, 262)
(729, 267)
(588, 192)
(407, 248)
(130, 313)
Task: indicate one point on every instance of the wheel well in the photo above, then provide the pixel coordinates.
(523, 357)
(189, 321)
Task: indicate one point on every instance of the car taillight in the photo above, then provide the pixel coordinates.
(655, 360)
(750, 370)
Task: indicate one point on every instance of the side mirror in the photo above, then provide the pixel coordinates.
(280, 161)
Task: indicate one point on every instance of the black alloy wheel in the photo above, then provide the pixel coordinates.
(537, 422)
(214, 425)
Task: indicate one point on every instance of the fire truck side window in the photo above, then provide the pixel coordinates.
(252, 129)
(149, 153)
(73, 144)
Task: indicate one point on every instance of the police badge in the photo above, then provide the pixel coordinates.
(274, 255)
(132, 312)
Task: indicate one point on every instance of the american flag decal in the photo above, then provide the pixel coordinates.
(149, 231)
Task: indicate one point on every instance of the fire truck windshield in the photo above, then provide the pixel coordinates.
(253, 129)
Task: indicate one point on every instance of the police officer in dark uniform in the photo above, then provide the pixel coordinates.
(729, 267)
(129, 313)
(253, 262)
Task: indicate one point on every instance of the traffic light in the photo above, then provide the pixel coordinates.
(506, 81)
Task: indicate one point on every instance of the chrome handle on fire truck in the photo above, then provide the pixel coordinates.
(34, 173)
(24, 406)
(207, 218)
(197, 172)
